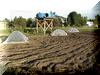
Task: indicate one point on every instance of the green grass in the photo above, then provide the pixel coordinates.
(32, 31)
(85, 29)
(81, 29)
(40, 32)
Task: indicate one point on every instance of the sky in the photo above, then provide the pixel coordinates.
(29, 8)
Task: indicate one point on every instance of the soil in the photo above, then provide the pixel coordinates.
(51, 54)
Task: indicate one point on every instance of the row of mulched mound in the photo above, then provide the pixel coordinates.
(72, 54)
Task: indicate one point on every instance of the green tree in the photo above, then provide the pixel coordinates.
(19, 22)
(8, 22)
(75, 19)
(30, 23)
(57, 21)
(97, 20)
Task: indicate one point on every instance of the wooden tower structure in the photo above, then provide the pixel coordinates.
(45, 24)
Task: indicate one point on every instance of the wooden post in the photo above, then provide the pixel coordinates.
(44, 24)
(37, 26)
(44, 28)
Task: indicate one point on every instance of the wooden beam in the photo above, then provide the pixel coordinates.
(44, 24)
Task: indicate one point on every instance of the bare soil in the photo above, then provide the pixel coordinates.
(63, 54)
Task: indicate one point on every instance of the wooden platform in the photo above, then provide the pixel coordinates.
(44, 24)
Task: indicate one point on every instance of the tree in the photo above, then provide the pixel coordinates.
(19, 22)
(59, 21)
(8, 22)
(75, 19)
(97, 20)
(30, 23)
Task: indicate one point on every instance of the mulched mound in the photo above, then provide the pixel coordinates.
(72, 30)
(58, 32)
(16, 36)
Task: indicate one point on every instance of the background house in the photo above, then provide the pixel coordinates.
(89, 23)
(3, 25)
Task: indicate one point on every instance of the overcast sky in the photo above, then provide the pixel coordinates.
(28, 8)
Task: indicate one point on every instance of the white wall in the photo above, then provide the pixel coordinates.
(90, 23)
(3, 25)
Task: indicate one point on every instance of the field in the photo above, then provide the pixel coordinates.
(46, 54)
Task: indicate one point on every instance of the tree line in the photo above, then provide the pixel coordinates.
(20, 22)
(73, 19)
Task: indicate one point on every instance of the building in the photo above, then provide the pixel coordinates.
(3, 25)
(89, 23)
